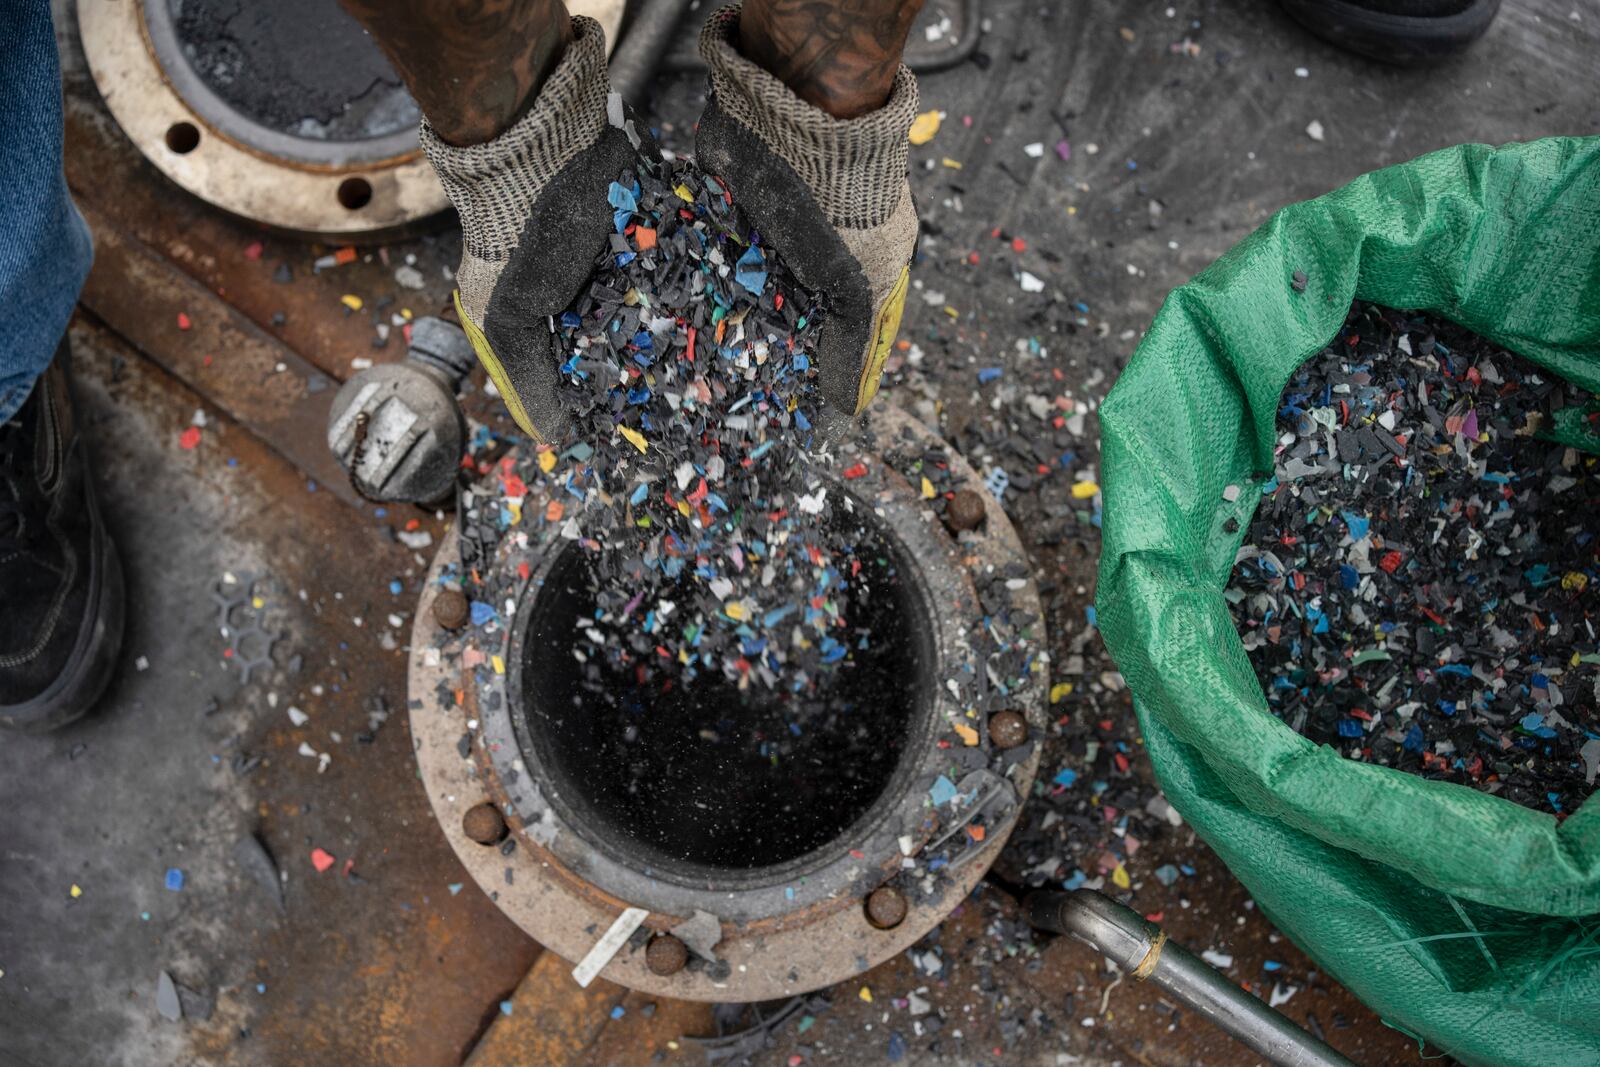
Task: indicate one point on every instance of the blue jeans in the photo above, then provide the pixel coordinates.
(44, 244)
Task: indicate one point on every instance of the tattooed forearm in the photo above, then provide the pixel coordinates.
(837, 54)
(471, 65)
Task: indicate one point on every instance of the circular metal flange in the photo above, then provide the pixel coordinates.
(337, 189)
(786, 929)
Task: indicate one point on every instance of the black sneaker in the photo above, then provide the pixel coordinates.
(61, 602)
(1396, 31)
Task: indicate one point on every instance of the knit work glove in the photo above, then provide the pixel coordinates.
(534, 217)
(829, 194)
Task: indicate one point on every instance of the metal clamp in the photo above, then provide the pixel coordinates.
(1142, 949)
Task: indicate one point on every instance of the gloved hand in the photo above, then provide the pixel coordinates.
(830, 194)
(533, 219)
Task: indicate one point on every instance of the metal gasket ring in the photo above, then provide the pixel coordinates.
(551, 879)
(342, 189)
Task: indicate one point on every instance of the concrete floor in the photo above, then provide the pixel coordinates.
(1198, 109)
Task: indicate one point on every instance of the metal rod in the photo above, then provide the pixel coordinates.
(644, 41)
(1141, 948)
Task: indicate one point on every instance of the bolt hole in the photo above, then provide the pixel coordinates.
(355, 193)
(183, 137)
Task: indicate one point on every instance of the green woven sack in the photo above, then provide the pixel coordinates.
(1456, 915)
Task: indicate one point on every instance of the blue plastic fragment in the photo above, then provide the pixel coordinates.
(989, 374)
(481, 613)
(174, 879)
(751, 271)
(997, 482)
(625, 201)
(943, 791)
(1066, 777)
(1533, 722)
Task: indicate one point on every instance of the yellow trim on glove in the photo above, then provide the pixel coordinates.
(885, 330)
(491, 363)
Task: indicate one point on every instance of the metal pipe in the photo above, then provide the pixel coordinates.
(645, 40)
(1141, 948)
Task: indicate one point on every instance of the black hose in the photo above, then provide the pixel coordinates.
(644, 42)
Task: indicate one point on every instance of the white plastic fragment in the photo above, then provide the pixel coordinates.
(701, 932)
(167, 1002)
(608, 945)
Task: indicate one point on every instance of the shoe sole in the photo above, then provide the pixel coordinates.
(94, 657)
(1401, 39)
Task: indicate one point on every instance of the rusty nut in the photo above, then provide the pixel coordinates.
(484, 824)
(665, 955)
(886, 907)
(1008, 729)
(964, 510)
(450, 609)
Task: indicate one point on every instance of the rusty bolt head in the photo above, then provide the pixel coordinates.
(450, 609)
(886, 907)
(964, 510)
(1008, 729)
(665, 955)
(484, 824)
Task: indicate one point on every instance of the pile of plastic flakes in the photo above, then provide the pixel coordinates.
(692, 475)
(1417, 588)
